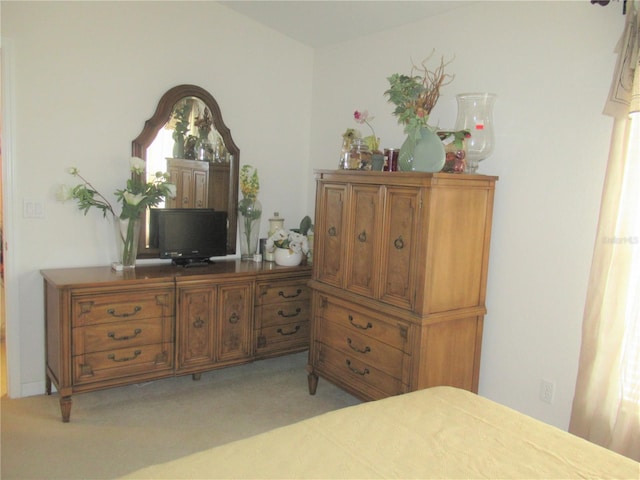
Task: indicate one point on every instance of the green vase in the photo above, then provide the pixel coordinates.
(422, 154)
(178, 145)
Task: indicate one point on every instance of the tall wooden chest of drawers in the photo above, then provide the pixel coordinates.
(399, 280)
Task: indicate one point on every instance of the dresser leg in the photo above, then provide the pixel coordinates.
(47, 385)
(312, 378)
(65, 408)
(196, 376)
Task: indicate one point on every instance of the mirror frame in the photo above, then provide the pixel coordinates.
(159, 119)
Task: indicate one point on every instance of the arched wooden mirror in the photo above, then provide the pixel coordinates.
(187, 138)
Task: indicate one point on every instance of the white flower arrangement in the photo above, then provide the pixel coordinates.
(294, 241)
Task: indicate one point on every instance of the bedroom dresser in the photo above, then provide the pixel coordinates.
(106, 328)
(399, 280)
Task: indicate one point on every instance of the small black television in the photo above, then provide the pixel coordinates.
(188, 236)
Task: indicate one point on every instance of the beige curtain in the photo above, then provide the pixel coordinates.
(606, 405)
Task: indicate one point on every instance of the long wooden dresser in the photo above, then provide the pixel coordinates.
(399, 280)
(107, 328)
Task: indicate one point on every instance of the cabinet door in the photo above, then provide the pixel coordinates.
(196, 327)
(363, 235)
(201, 188)
(233, 331)
(182, 178)
(329, 235)
(402, 214)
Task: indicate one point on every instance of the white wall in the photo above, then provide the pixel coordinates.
(87, 75)
(550, 64)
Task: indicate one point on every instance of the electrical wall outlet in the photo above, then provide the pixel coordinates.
(547, 390)
(32, 208)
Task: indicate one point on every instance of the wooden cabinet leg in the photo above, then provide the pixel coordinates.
(47, 385)
(65, 408)
(196, 376)
(312, 378)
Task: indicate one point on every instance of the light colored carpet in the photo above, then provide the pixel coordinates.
(119, 430)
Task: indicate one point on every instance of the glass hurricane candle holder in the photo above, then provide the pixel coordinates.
(475, 114)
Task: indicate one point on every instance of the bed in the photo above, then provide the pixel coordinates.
(441, 432)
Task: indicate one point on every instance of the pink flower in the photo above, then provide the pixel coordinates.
(361, 117)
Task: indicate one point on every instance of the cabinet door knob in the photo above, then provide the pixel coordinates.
(234, 318)
(362, 237)
(199, 323)
(332, 231)
(399, 243)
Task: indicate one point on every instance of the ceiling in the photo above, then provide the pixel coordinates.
(322, 23)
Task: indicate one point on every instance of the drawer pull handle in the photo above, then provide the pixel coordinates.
(292, 332)
(284, 295)
(112, 312)
(332, 231)
(356, 349)
(136, 332)
(199, 323)
(355, 370)
(366, 327)
(399, 243)
(362, 237)
(125, 359)
(234, 318)
(288, 315)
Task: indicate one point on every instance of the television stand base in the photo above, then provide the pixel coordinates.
(192, 262)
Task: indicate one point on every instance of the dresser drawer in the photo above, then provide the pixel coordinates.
(361, 320)
(109, 336)
(282, 313)
(116, 307)
(123, 362)
(359, 375)
(283, 337)
(364, 348)
(281, 291)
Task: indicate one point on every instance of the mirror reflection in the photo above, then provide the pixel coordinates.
(187, 138)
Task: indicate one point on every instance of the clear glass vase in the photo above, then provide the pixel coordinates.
(475, 114)
(127, 232)
(249, 214)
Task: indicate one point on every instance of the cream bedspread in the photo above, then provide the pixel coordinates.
(440, 432)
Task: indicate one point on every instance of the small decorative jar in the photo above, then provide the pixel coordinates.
(359, 155)
(276, 223)
(344, 154)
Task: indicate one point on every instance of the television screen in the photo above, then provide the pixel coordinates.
(187, 235)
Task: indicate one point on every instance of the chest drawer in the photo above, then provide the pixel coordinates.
(282, 313)
(109, 336)
(122, 362)
(282, 337)
(119, 306)
(358, 375)
(364, 348)
(359, 320)
(281, 291)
